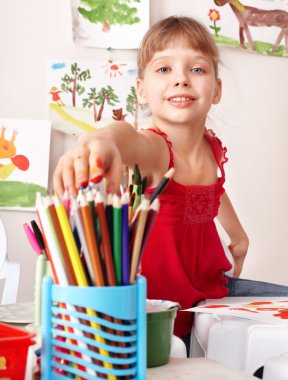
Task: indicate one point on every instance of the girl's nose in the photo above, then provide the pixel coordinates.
(181, 80)
(182, 83)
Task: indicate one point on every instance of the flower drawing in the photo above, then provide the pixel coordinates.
(214, 16)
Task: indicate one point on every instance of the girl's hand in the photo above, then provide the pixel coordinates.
(239, 252)
(90, 159)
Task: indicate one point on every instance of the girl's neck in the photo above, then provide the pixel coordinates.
(183, 138)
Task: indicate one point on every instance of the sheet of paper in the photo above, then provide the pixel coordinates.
(268, 311)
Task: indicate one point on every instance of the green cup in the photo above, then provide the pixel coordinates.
(159, 333)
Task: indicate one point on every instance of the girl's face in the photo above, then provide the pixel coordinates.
(179, 85)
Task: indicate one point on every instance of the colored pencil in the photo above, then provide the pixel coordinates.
(162, 184)
(137, 187)
(32, 239)
(52, 241)
(70, 242)
(91, 242)
(106, 244)
(39, 201)
(152, 213)
(137, 241)
(39, 236)
(39, 275)
(97, 231)
(107, 249)
(125, 240)
(117, 237)
(61, 241)
(91, 204)
(79, 225)
(109, 216)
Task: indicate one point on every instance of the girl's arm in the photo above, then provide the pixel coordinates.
(103, 153)
(232, 226)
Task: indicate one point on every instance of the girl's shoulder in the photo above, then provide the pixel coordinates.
(217, 147)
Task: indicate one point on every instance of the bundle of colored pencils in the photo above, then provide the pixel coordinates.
(90, 240)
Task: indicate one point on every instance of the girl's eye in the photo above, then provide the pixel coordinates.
(197, 70)
(163, 70)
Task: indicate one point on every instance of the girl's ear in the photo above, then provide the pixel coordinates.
(140, 91)
(218, 92)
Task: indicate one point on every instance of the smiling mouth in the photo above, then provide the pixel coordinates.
(181, 100)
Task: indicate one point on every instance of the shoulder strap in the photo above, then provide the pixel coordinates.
(168, 142)
(217, 148)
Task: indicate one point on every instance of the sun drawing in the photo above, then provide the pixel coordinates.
(114, 69)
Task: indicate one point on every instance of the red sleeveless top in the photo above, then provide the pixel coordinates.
(184, 259)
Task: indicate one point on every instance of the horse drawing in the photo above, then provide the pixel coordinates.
(250, 16)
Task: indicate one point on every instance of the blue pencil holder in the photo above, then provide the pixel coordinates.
(93, 332)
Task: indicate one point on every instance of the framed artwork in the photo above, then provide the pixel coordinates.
(116, 24)
(255, 25)
(24, 161)
(83, 96)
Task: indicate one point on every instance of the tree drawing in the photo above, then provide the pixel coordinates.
(132, 105)
(91, 102)
(110, 12)
(106, 94)
(70, 83)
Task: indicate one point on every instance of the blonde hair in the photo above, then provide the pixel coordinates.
(184, 29)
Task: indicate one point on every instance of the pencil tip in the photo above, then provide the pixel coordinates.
(170, 173)
(155, 205)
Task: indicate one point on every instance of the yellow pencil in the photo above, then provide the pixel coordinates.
(70, 243)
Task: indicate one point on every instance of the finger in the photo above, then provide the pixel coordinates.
(58, 185)
(81, 166)
(237, 269)
(96, 168)
(68, 176)
(114, 174)
(105, 160)
(64, 178)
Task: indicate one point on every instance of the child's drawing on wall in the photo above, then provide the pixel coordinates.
(258, 25)
(8, 151)
(118, 24)
(92, 94)
(24, 157)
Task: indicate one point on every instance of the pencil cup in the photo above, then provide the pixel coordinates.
(93, 332)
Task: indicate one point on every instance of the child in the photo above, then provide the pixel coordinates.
(184, 260)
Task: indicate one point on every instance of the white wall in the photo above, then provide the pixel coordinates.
(252, 121)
